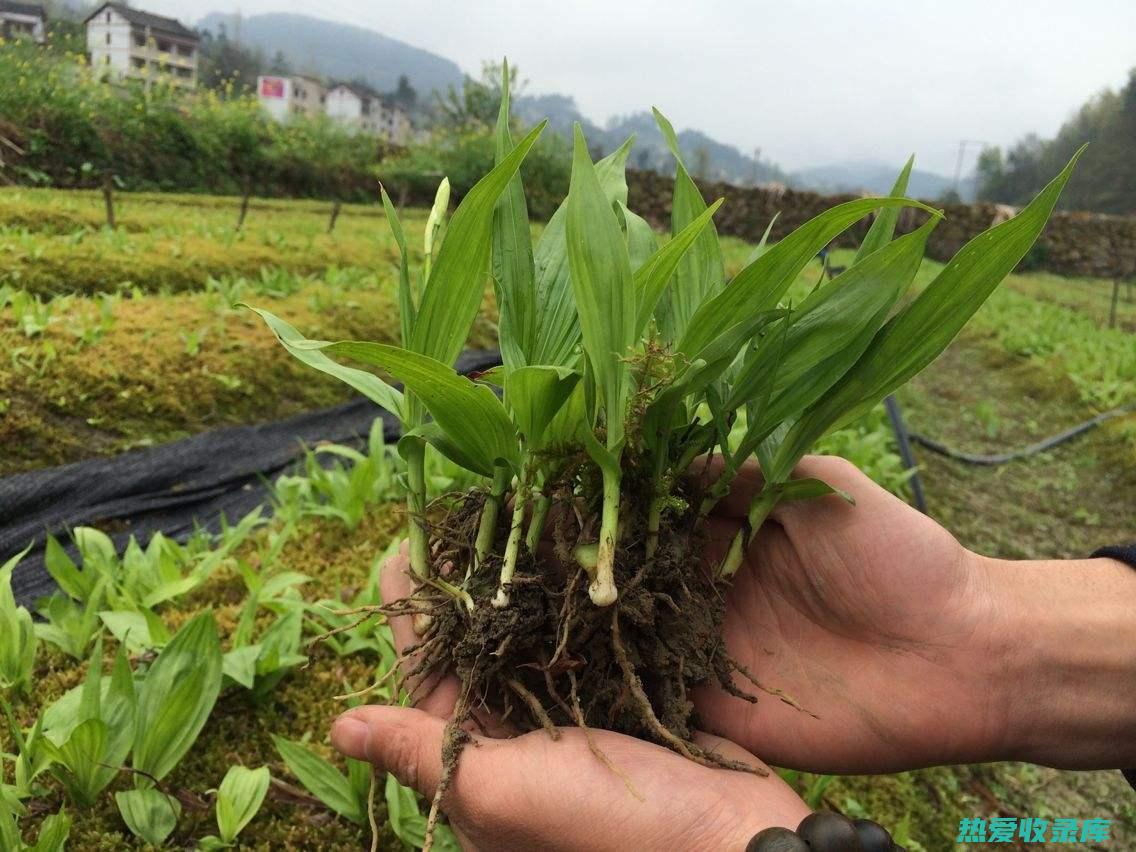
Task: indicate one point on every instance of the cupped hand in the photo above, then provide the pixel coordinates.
(870, 616)
(530, 792)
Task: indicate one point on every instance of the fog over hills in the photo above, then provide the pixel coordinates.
(343, 51)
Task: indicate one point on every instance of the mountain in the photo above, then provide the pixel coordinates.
(706, 158)
(877, 178)
(339, 51)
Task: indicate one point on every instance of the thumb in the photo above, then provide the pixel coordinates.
(400, 740)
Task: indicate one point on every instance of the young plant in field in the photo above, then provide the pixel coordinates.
(624, 360)
(53, 832)
(17, 634)
(239, 797)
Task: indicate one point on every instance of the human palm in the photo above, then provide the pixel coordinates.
(868, 616)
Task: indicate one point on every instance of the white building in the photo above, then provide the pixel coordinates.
(130, 43)
(23, 20)
(284, 97)
(356, 106)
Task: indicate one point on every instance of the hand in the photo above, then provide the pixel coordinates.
(530, 792)
(912, 650)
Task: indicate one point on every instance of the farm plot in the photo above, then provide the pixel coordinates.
(162, 365)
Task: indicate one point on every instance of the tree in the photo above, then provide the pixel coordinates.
(226, 65)
(477, 104)
(405, 96)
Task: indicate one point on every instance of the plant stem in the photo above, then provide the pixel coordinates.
(513, 545)
(541, 504)
(415, 454)
(759, 509)
(602, 588)
(487, 526)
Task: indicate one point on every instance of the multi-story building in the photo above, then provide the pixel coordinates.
(350, 104)
(23, 20)
(284, 97)
(128, 43)
(361, 107)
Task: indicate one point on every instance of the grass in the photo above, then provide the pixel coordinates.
(53, 242)
(170, 364)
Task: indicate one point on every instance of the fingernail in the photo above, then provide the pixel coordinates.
(349, 735)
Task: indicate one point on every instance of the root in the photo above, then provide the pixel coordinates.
(535, 707)
(599, 754)
(740, 668)
(635, 687)
(454, 741)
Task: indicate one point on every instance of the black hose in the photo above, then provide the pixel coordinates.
(1033, 449)
(902, 439)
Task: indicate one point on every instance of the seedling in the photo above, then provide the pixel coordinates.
(17, 634)
(239, 797)
(624, 362)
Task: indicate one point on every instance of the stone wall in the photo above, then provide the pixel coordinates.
(1085, 244)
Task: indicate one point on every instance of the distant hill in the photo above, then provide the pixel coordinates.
(877, 178)
(705, 157)
(340, 51)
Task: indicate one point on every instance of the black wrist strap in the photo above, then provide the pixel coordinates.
(1126, 554)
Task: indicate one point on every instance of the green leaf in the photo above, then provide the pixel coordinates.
(880, 234)
(66, 574)
(652, 278)
(513, 271)
(913, 338)
(134, 629)
(701, 273)
(602, 286)
(535, 395)
(239, 797)
(149, 814)
(239, 665)
(78, 760)
(760, 286)
(53, 833)
(827, 334)
(177, 696)
(558, 328)
(641, 240)
(454, 289)
(17, 633)
(468, 413)
(322, 780)
(407, 305)
(368, 384)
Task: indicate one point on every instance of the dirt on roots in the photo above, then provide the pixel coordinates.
(552, 658)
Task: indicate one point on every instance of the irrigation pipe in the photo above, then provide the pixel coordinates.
(1031, 450)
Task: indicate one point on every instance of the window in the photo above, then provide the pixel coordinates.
(138, 62)
(164, 46)
(139, 40)
(185, 50)
(108, 38)
(108, 17)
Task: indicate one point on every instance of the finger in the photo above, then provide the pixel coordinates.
(403, 741)
(435, 693)
(493, 796)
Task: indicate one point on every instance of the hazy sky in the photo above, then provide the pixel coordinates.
(807, 82)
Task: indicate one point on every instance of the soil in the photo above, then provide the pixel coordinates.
(553, 658)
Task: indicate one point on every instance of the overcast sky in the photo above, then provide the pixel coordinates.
(808, 82)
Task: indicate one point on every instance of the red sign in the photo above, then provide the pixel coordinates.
(272, 87)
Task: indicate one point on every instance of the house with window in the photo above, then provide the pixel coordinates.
(127, 43)
(361, 107)
(284, 97)
(23, 20)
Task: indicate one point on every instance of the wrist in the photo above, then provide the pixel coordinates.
(1060, 655)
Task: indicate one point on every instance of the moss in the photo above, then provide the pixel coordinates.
(143, 383)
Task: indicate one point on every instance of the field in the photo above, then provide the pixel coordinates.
(114, 340)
